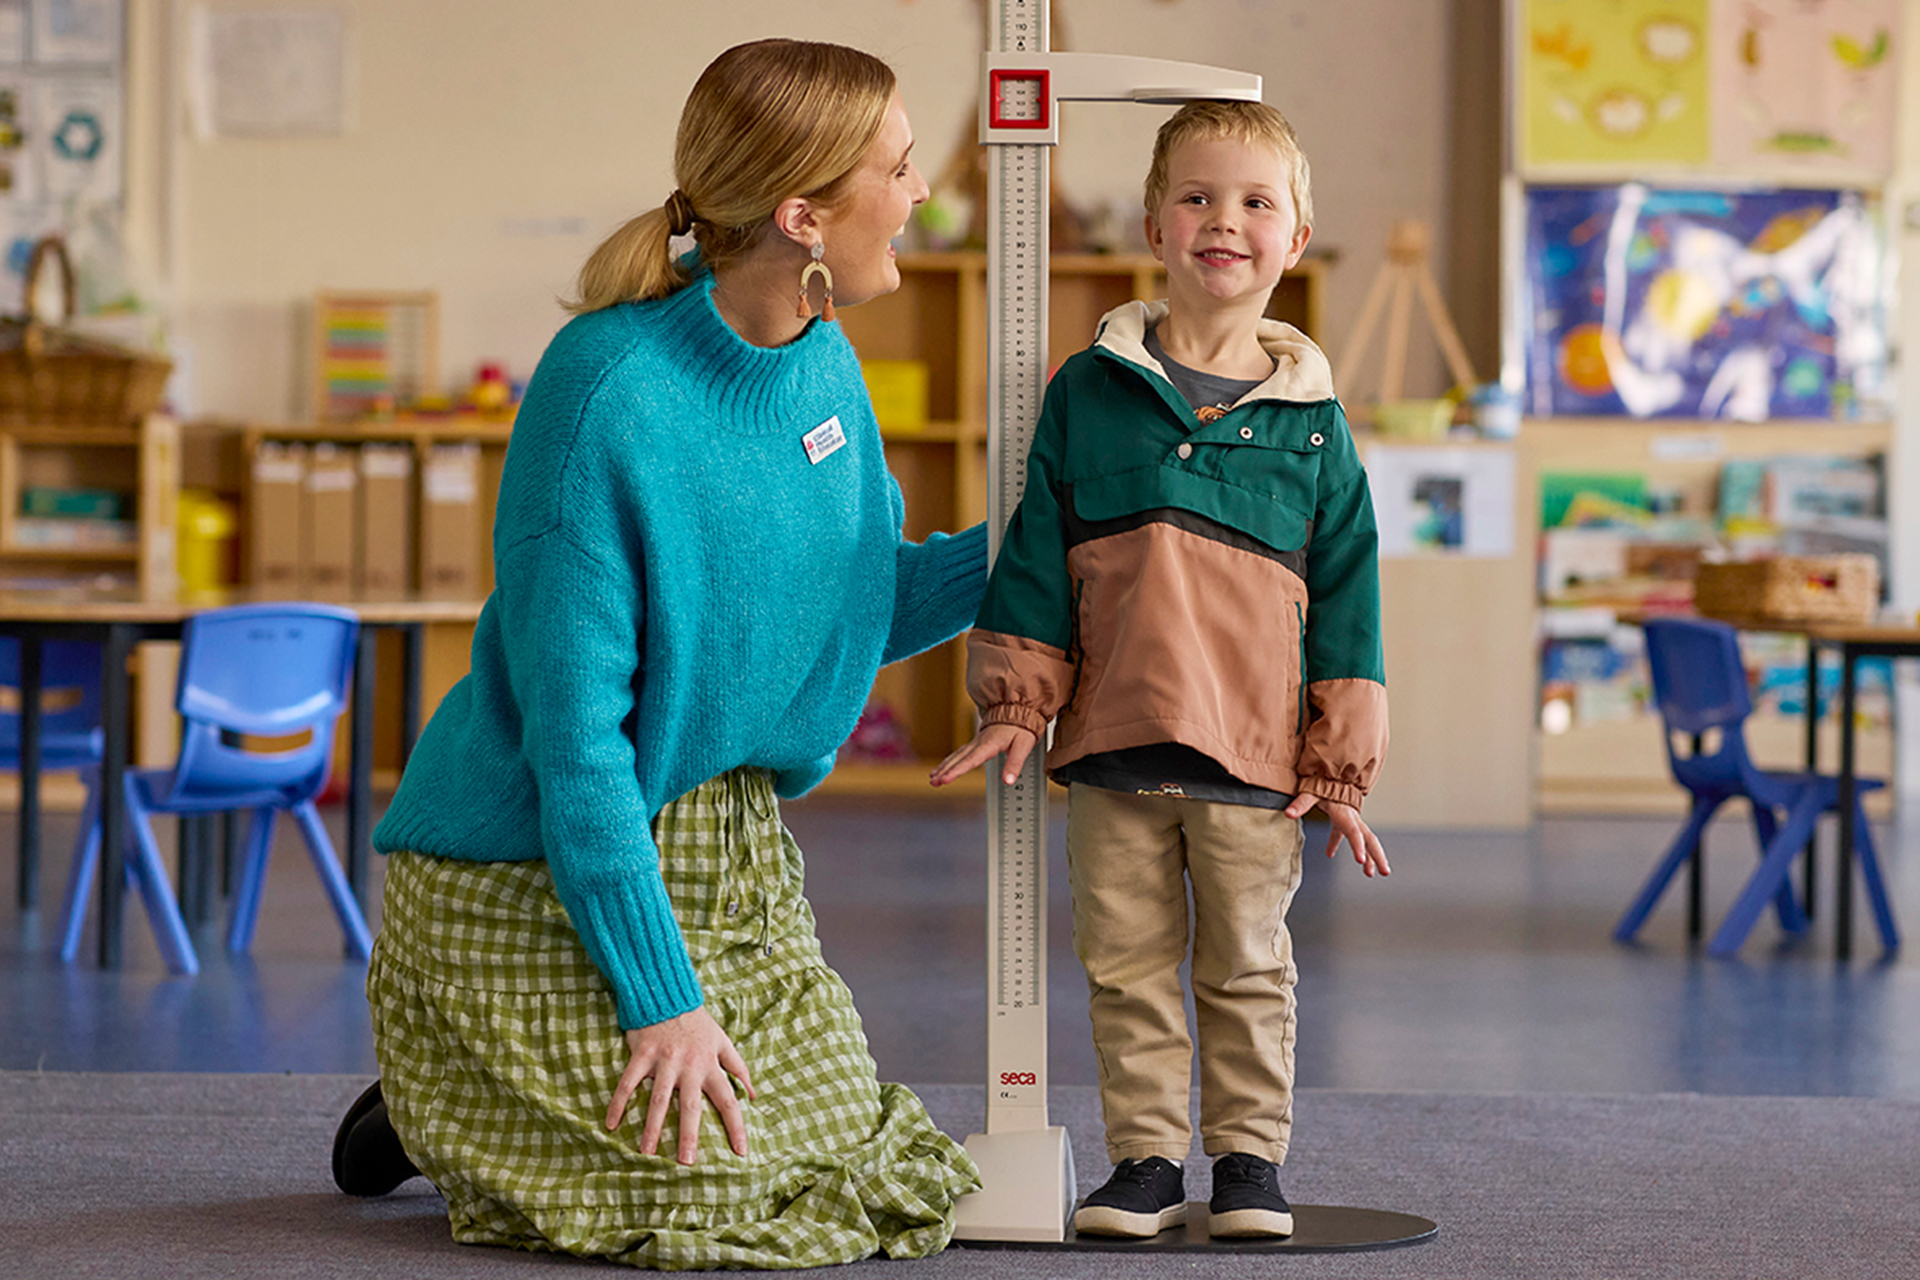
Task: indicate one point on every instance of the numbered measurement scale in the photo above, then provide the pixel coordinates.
(1026, 1165)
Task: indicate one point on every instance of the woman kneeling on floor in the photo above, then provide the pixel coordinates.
(594, 920)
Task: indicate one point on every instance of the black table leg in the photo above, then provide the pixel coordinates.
(231, 855)
(360, 764)
(196, 868)
(29, 771)
(113, 800)
(1843, 890)
(1809, 874)
(412, 658)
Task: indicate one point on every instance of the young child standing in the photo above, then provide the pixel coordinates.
(1190, 583)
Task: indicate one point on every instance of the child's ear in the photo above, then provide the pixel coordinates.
(1299, 246)
(1153, 238)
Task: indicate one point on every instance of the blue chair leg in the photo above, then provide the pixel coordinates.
(327, 863)
(253, 876)
(1776, 863)
(1792, 918)
(86, 863)
(1684, 846)
(156, 890)
(1869, 862)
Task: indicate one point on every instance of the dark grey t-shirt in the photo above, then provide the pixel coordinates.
(1173, 768)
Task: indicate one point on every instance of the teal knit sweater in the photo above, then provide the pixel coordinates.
(679, 591)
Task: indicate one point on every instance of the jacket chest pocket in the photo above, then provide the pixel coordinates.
(1269, 510)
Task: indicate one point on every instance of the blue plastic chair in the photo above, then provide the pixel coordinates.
(71, 739)
(1700, 689)
(270, 671)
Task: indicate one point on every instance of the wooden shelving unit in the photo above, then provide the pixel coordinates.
(139, 461)
(1620, 766)
(939, 317)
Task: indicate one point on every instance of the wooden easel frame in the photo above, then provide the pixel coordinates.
(1403, 274)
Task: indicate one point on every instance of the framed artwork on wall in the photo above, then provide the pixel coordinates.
(1703, 303)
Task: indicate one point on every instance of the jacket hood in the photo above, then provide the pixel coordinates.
(1303, 375)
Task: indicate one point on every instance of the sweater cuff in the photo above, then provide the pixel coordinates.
(938, 590)
(1020, 717)
(635, 941)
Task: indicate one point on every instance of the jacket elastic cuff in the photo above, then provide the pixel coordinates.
(1339, 792)
(1018, 716)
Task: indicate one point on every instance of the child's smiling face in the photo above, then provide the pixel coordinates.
(1227, 228)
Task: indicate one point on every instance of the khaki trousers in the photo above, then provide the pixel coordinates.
(1130, 859)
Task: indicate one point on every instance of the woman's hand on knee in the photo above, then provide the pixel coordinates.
(691, 1057)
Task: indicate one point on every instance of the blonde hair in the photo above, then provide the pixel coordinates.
(765, 122)
(1253, 123)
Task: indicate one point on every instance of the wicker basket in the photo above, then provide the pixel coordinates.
(1844, 588)
(50, 376)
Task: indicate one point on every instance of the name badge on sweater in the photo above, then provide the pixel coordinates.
(823, 439)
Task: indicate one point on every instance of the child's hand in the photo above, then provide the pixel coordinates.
(1016, 742)
(1346, 824)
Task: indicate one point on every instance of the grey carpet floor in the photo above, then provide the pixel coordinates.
(216, 1176)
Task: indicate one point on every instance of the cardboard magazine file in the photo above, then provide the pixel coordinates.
(450, 521)
(385, 570)
(329, 521)
(276, 494)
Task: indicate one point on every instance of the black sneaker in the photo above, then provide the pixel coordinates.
(1141, 1199)
(368, 1159)
(1246, 1198)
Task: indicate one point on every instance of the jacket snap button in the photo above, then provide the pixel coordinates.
(1317, 438)
(1246, 433)
(1185, 451)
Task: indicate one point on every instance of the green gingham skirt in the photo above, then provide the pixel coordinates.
(499, 1049)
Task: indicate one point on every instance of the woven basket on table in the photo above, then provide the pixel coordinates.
(53, 377)
(1840, 588)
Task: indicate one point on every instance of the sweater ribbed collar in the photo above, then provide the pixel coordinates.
(753, 388)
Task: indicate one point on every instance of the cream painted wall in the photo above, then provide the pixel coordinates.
(495, 141)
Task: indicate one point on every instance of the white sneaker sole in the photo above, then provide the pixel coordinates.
(1102, 1220)
(1244, 1223)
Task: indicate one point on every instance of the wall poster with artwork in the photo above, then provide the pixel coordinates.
(1703, 303)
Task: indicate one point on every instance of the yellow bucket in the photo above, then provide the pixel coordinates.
(208, 529)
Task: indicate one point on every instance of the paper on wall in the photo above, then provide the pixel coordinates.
(268, 73)
(1440, 500)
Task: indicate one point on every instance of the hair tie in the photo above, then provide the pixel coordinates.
(680, 217)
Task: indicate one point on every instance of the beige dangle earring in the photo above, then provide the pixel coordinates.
(819, 268)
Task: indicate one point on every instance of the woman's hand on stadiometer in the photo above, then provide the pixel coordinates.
(689, 1056)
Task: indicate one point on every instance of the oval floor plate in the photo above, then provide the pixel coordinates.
(1317, 1228)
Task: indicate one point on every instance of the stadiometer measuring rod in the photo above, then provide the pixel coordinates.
(1026, 1165)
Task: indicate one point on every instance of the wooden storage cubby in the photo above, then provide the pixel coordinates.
(139, 461)
(421, 435)
(938, 316)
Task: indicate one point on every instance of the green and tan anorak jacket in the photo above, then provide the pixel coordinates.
(1215, 584)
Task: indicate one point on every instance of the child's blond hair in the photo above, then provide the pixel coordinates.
(1254, 123)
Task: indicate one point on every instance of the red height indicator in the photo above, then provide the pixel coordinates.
(1019, 100)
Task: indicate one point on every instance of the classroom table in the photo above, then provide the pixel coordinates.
(117, 620)
(1853, 641)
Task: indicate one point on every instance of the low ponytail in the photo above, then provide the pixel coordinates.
(634, 264)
